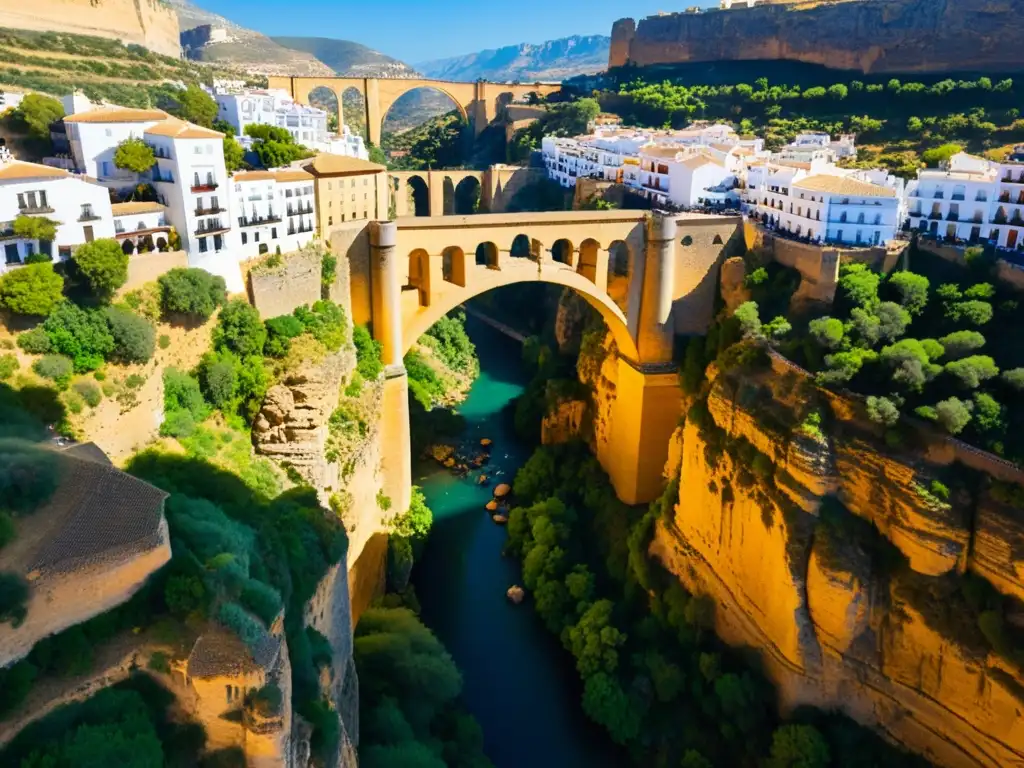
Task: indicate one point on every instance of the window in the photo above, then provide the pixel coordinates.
(11, 253)
(273, 233)
(256, 237)
(197, 150)
(328, 186)
(87, 211)
(202, 245)
(839, 235)
(330, 220)
(109, 132)
(245, 238)
(218, 242)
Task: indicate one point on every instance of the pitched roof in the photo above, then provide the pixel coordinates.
(96, 515)
(291, 174)
(843, 185)
(326, 164)
(666, 153)
(113, 114)
(131, 209)
(696, 161)
(16, 169)
(220, 653)
(174, 128)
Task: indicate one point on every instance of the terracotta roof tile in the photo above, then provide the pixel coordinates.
(326, 164)
(131, 209)
(16, 169)
(282, 176)
(116, 115)
(174, 128)
(843, 185)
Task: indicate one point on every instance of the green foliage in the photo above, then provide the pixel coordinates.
(858, 285)
(35, 289)
(134, 336)
(36, 111)
(184, 405)
(693, 366)
(953, 414)
(368, 352)
(777, 328)
(8, 365)
(190, 292)
(328, 269)
(82, 334)
(909, 363)
(326, 323)
(195, 105)
(939, 155)
(799, 746)
(882, 410)
(134, 154)
(960, 343)
(1014, 379)
(449, 340)
(594, 640)
(104, 266)
(827, 332)
(606, 703)
(56, 368)
(971, 371)
(89, 392)
(13, 596)
(35, 228)
(280, 331)
(748, 318)
(234, 154)
(35, 342)
(240, 329)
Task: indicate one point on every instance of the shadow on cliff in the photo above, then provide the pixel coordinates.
(27, 413)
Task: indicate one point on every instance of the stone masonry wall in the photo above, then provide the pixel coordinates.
(279, 290)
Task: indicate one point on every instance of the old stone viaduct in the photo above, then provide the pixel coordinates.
(652, 277)
(438, 193)
(478, 102)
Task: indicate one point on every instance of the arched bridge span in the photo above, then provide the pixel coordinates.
(478, 102)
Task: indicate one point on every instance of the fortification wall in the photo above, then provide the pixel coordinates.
(148, 23)
(146, 267)
(873, 36)
(280, 284)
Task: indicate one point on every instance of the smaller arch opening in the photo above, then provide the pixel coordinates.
(467, 196)
(128, 247)
(453, 265)
(687, 241)
(419, 195)
(449, 196)
(520, 247)
(487, 255)
(717, 240)
(562, 252)
(161, 244)
(589, 251)
(618, 259)
(419, 274)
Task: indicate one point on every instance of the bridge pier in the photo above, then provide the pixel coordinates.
(396, 458)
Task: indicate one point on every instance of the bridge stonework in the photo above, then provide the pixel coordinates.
(651, 277)
(478, 102)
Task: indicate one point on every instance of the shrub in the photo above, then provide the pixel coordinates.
(36, 341)
(1014, 379)
(13, 596)
(884, 411)
(8, 365)
(960, 343)
(892, 320)
(368, 352)
(912, 290)
(104, 265)
(35, 289)
(89, 392)
(755, 278)
(988, 413)
(937, 155)
(325, 322)
(827, 332)
(798, 746)
(134, 336)
(164, 341)
(972, 371)
(191, 292)
(953, 414)
(328, 269)
(37, 111)
(57, 368)
(179, 424)
(81, 334)
(240, 329)
(182, 393)
(974, 312)
(242, 623)
(747, 315)
(280, 331)
(144, 301)
(134, 155)
(859, 285)
(909, 362)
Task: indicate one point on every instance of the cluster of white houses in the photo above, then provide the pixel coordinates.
(800, 189)
(196, 206)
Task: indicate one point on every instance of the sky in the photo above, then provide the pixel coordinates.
(420, 30)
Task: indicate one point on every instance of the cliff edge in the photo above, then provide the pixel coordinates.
(873, 36)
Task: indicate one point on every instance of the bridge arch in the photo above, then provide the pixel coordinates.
(406, 97)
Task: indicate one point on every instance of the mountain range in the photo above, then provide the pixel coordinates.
(551, 60)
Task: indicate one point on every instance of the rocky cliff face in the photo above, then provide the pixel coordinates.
(838, 625)
(873, 36)
(149, 23)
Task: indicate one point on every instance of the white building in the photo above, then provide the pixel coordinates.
(817, 145)
(307, 125)
(10, 99)
(141, 227)
(189, 177)
(79, 206)
(685, 178)
(972, 199)
(725, 5)
(275, 210)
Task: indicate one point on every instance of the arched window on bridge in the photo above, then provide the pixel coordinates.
(589, 251)
(467, 196)
(717, 240)
(687, 241)
(419, 274)
(487, 255)
(562, 252)
(327, 100)
(618, 259)
(520, 247)
(419, 196)
(453, 265)
(449, 196)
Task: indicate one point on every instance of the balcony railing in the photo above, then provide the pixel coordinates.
(166, 178)
(252, 221)
(88, 217)
(31, 209)
(935, 215)
(957, 197)
(939, 195)
(1008, 179)
(300, 210)
(159, 152)
(952, 216)
(916, 213)
(210, 228)
(999, 219)
(208, 186)
(300, 230)
(208, 211)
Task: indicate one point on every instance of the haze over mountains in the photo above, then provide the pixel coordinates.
(550, 60)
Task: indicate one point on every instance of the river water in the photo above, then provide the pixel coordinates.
(519, 682)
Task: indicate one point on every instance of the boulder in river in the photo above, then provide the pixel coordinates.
(486, 442)
(500, 519)
(516, 594)
(441, 452)
(482, 480)
(503, 490)
(449, 462)
(492, 506)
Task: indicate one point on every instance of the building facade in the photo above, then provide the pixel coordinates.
(79, 206)
(971, 200)
(275, 210)
(347, 189)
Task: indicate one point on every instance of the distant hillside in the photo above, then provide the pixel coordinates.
(348, 58)
(553, 60)
(243, 47)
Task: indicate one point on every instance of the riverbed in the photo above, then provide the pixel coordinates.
(519, 682)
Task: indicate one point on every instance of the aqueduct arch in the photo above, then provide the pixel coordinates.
(478, 102)
(419, 269)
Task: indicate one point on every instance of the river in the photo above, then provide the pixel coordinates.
(519, 682)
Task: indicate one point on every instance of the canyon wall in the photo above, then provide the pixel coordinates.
(872, 36)
(149, 23)
(840, 620)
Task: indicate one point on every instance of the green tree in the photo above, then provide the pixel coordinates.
(240, 329)
(1014, 379)
(35, 228)
(104, 265)
(196, 106)
(827, 332)
(988, 414)
(912, 290)
(799, 746)
(81, 334)
(134, 336)
(37, 111)
(970, 372)
(234, 154)
(882, 410)
(35, 289)
(838, 91)
(961, 343)
(607, 704)
(859, 285)
(594, 640)
(892, 320)
(909, 363)
(191, 292)
(937, 155)
(134, 155)
(747, 315)
(953, 414)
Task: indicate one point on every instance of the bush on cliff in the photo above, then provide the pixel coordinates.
(35, 289)
(191, 293)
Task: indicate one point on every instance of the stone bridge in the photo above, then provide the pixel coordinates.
(439, 193)
(478, 102)
(650, 277)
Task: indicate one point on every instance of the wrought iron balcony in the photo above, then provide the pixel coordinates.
(88, 217)
(208, 186)
(208, 211)
(252, 221)
(29, 210)
(939, 195)
(957, 197)
(935, 215)
(951, 216)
